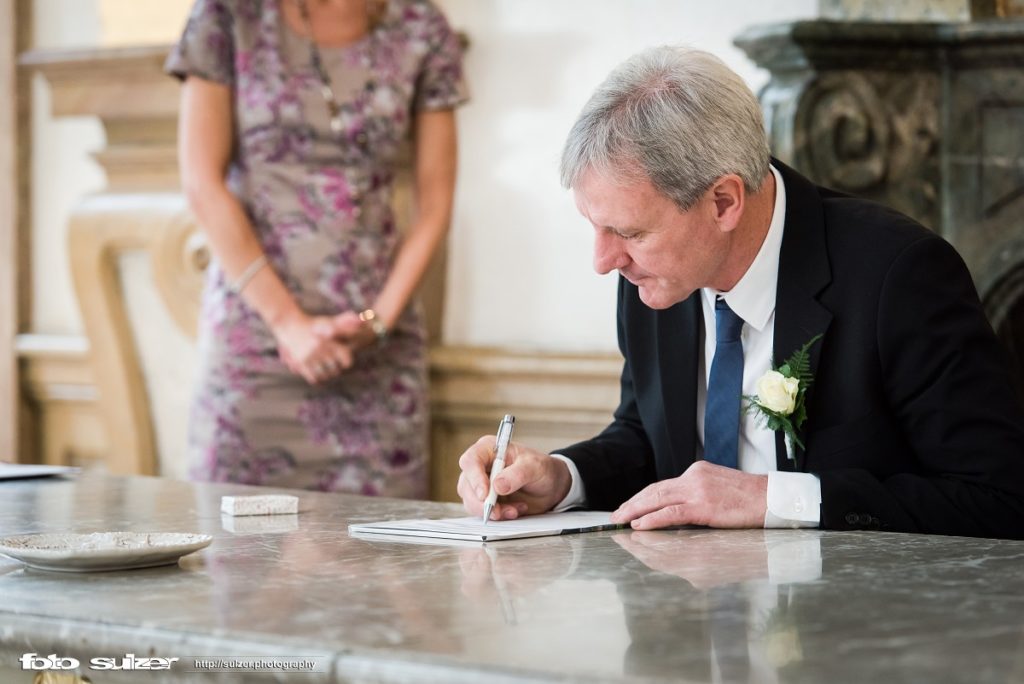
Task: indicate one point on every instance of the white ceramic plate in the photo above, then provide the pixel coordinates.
(102, 550)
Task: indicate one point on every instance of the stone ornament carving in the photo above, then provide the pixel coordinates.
(872, 135)
(846, 131)
(179, 259)
(1000, 166)
(100, 229)
(923, 117)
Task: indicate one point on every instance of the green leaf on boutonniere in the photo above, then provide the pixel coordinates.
(780, 401)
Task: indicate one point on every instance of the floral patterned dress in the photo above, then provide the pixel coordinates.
(319, 201)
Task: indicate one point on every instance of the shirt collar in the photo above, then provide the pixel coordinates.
(753, 297)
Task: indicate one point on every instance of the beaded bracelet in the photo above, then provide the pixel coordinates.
(249, 273)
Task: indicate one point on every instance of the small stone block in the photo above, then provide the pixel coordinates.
(267, 504)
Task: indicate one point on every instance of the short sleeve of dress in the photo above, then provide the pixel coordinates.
(206, 48)
(440, 84)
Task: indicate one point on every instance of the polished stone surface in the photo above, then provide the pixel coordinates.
(681, 605)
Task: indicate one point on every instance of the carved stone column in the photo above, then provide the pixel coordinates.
(140, 211)
(925, 117)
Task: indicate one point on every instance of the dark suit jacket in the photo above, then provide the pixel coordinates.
(912, 423)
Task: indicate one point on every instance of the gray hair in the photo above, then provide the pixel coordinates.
(675, 115)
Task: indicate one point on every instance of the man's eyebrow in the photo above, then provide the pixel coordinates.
(622, 230)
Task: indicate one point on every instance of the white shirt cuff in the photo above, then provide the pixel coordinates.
(794, 500)
(577, 495)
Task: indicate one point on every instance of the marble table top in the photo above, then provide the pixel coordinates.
(680, 605)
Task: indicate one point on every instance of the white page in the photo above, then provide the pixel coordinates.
(473, 529)
(15, 471)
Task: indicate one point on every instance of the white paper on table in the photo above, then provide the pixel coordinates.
(17, 471)
(473, 529)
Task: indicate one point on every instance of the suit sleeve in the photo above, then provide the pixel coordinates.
(619, 461)
(945, 381)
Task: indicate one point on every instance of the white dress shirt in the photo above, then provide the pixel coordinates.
(793, 498)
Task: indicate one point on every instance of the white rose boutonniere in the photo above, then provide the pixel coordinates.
(779, 402)
(777, 393)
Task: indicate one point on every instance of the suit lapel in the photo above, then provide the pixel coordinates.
(680, 329)
(804, 271)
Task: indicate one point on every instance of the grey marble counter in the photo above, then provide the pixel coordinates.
(680, 605)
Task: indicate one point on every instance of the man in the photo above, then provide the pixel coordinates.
(911, 422)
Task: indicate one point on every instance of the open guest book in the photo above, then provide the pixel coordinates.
(18, 471)
(473, 528)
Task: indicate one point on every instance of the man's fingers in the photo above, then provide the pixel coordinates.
(473, 504)
(473, 464)
(517, 484)
(648, 499)
(508, 511)
(663, 517)
(516, 476)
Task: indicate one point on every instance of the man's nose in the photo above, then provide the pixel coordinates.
(608, 252)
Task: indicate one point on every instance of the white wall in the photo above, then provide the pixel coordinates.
(62, 170)
(520, 271)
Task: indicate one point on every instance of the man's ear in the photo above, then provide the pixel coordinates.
(729, 197)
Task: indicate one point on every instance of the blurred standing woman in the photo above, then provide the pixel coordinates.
(313, 358)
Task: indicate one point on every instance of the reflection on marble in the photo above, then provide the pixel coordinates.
(679, 605)
(260, 524)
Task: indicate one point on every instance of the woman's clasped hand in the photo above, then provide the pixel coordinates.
(321, 348)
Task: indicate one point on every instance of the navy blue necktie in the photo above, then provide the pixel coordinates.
(725, 385)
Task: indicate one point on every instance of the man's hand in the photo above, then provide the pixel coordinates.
(531, 482)
(706, 494)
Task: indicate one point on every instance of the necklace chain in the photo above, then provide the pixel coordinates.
(326, 85)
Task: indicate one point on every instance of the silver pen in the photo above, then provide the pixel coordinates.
(500, 447)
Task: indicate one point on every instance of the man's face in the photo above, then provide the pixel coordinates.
(666, 253)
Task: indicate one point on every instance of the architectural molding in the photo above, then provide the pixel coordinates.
(58, 386)
(136, 102)
(103, 228)
(557, 398)
(12, 242)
